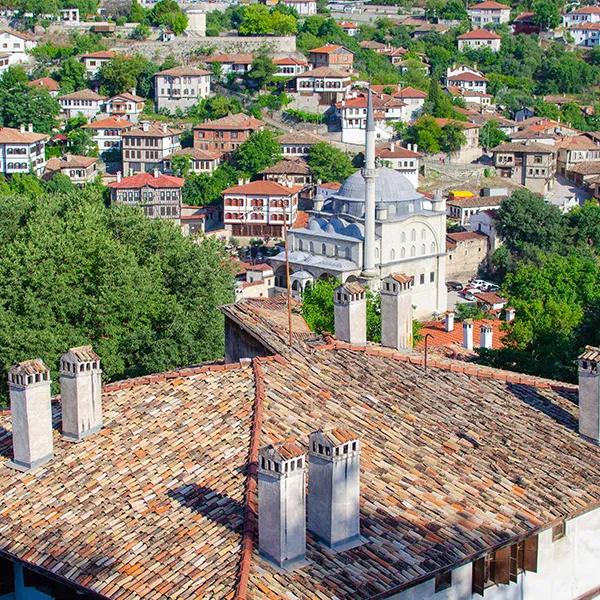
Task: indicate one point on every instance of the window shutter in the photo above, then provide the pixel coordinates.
(530, 553)
(478, 576)
(502, 565)
(514, 562)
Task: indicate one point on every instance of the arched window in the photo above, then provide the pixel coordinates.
(402, 252)
(392, 254)
(377, 253)
(312, 248)
(300, 245)
(423, 250)
(423, 234)
(413, 250)
(403, 237)
(413, 235)
(432, 247)
(348, 254)
(323, 249)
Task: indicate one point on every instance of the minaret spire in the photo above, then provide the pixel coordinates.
(369, 175)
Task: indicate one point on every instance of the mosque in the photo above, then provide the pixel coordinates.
(375, 225)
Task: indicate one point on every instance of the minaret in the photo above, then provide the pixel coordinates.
(369, 175)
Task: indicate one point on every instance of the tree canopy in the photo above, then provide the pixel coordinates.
(259, 151)
(328, 163)
(74, 272)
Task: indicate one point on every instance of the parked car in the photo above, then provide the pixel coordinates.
(468, 295)
(454, 286)
(478, 283)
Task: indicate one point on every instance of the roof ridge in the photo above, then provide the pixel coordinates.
(456, 366)
(248, 533)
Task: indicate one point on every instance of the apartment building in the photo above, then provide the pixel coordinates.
(224, 135)
(145, 147)
(488, 12)
(22, 151)
(79, 169)
(260, 208)
(200, 161)
(126, 105)
(180, 87)
(478, 39)
(108, 132)
(332, 56)
(330, 85)
(288, 66)
(16, 44)
(158, 195)
(574, 150)
(86, 103)
(532, 165)
(94, 60)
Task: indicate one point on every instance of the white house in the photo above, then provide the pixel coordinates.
(414, 100)
(22, 151)
(4, 61)
(466, 77)
(586, 34)
(83, 102)
(239, 64)
(126, 105)
(401, 159)
(479, 38)
(108, 132)
(488, 12)
(289, 66)
(350, 28)
(584, 14)
(94, 60)
(180, 87)
(330, 84)
(16, 44)
(304, 8)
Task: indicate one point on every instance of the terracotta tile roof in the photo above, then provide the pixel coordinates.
(195, 153)
(300, 137)
(331, 185)
(577, 142)
(100, 54)
(372, 45)
(301, 221)
(348, 25)
(46, 82)
(328, 49)
(110, 123)
(586, 168)
(289, 60)
(263, 187)
(533, 148)
(83, 95)
(397, 152)
(586, 26)
(463, 236)
(489, 4)
(291, 166)
(353, 287)
(183, 72)
(128, 96)
(402, 278)
(8, 135)
(237, 121)
(148, 180)
(590, 353)
(236, 59)
(410, 92)
(479, 34)
(466, 76)
(586, 10)
(490, 298)
(326, 72)
(24, 35)
(154, 130)
(462, 124)
(70, 161)
(453, 340)
(29, 367)
(532, 134)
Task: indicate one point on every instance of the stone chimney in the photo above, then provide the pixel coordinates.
(468, 334)
(282, 504)
(29, 390)
(392, 146)
(119, 177)
(80, 393)
(415, 148)
(589, 394)
(334, 488)
(318, 202)
(397, 312)
(509, 315)
(22, 128)
(485, 336)
(145, 126)
(449, 321)
(30, 128)
(350, 313)
(155, 173)
(438, 203)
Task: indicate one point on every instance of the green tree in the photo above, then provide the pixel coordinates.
(427, 134)
(490, 135)
(438, 103)
(137, 13)
(585, 225)
(452, 138)
(546, 13)
(182, 165)
(141, 32)
(22, 105)
(282, 24)
(208, 189)
(121, 73)
(525, 220)
(71, 75)
(74, 272)
(81, 142)
(328, 163)
(59, 184)
(261, 71)
(259, 151)
(256, 20)
(168, 13)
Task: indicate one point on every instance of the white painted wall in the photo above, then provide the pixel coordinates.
(567, 568)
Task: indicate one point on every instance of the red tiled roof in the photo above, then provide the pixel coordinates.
(325, 72)
(183, 72)
(301, 220)
(328, 49)
(479, 34)
(109, 123)
(289, 60)
(466, 76)
(410, 92)
(462, 124)
(489, 4)
(454, 339)
(237, 121)
(397, 152)
(489, 298)
(461, 236)
(586, 10)
(128, 96)
(148, 180)
(263, 187)
(331, 185)
(586, 26)
(100, 54)
(235, 59)
(8, 135)
(46, 82)
(86, 94)
(70, 161)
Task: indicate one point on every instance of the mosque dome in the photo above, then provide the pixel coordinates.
(390, 186)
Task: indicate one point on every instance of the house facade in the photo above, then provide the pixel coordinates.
(331, 56)
(289, 66)
(330, 85)
(144, 148)
(224, 135)
(260, 208)
(94, 60)
(477, 39)
(238, 64)
(488, 12)
(108, 132)
(16, 44)
(466, 252)
(586, 34)
(583, 14)
(298, 143)
(462, 209)
(180, 87)
(158, 195)
(401, 159)
(467, 78)
(22, 151)
(79, 169)
(47, 83)
(531, 165)
(200, 161)
(574, 150)
(126, 105)
(86, 103)
(304, 8)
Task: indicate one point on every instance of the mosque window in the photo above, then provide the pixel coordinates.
(348, 254)
(402, 252)
(312, 248)
(423, 234)
(377, 253)
(300, 245)
(423, 250)
(392, 254)
(323, 249)
(413, 250)
(403, 237)
(433, 247)
(413, 235)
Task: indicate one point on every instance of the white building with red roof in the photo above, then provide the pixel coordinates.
(79, 169)
(583, 14)
(127, 105)
(488, 12)
(239, 63)
(108, 132)
(350, 27)
(180, 87)
(304, 8)
(47, 83)
(86, 103)
(329, 84)
(289, 66)
(16, 44)
(94, 60)
(260, 208)
(586, 34)
(401, 159)
(479, 38)
(158, 195)
(466, 77)
(22, 151)
(333, 56)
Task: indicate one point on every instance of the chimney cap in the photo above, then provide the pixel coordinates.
(353, 288)
(485, 327)
(468, 323)
(334, 437)
(273, 456)
(29, 372)
(590, 353)
(80, 354)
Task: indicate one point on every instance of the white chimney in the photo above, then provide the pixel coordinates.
(29, 390)
(589, 394)
(145, 126)
(468, 334)
(509, 314)
(350, 313)
(282, 504)
(415, 148)
(165, 128)
(155, 173)
(397, 312)
(449, 321)
(119, 177)
(22, 128)
(80, 393)
(485, 336)
(392, 146)
(334, 488)
(30, 128)
(318, 202)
